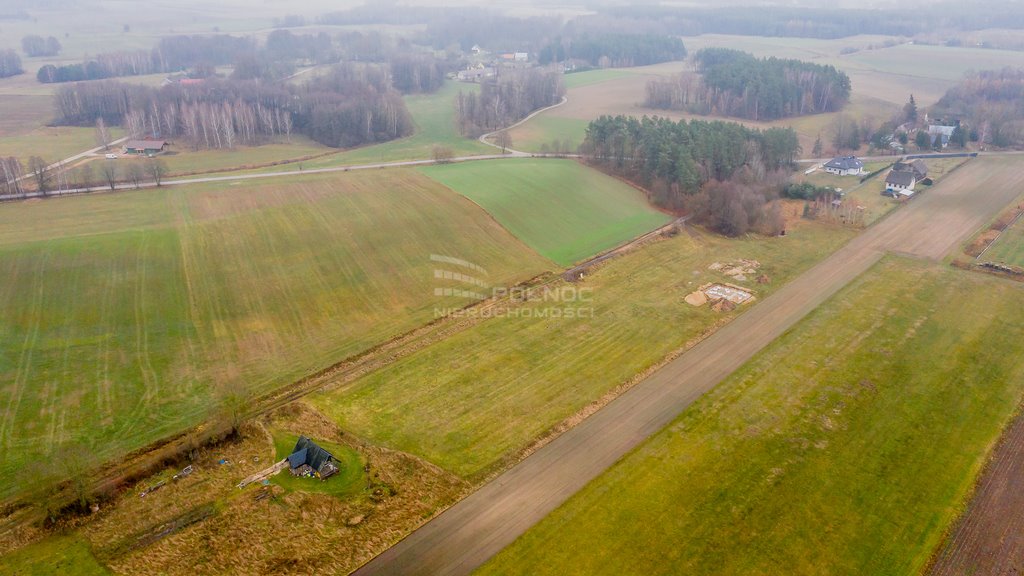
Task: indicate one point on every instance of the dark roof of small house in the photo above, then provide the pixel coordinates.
(900, 177)
(917, 166)
(845, 163)
(308, 452)
(145, 144)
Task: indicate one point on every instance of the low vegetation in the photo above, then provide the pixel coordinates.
(474, 400)
(848, 446)
(183, 300)
(559, 208)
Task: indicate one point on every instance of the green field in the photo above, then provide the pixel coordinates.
(473, 400)
(185, 161)
(848, 446)
(51, 144)
(578, 79)
(122, 315)
(560, 208)
(67, 555)
(1009, 247)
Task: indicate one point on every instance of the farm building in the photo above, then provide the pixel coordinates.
(147, 147)
(917, 167)
(900, 181)
(309, 459)
(845, 166)
(475, 74)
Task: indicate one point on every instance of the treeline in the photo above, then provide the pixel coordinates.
(172, 54)
(34, 46)
(10, 63)
(991, 102)
(610, 49)
(806, 22)
(716, 170)
(734, 83)
(512, 97)
(413, 73)
(350, 105)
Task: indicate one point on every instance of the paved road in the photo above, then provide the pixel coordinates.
(476, 528)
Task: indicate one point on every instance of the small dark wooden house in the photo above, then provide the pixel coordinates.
(309, 459)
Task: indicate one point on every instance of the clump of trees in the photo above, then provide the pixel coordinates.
(676, 162)
(350, 105)
(614, 49)
(412, 73)
(991, 102)
(513, 96)
(34, 46)
(10, 63)
(734, 83)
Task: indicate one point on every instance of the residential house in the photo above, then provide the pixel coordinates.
(901, 181)
(917, 166)
(147, 147)
(845, 166)
(940, 135)
(475, 74)
(309, 459)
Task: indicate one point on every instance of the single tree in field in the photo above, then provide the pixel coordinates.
(109, 172)
(922, 140)
(504, 140)
(135, 172)
(443, 154)
(818, 147)
(910, 110)
(102, 134)
(232, 404)
(84, 176)
(38, 167)
(157, 169)
(77, 462)
(38, 483)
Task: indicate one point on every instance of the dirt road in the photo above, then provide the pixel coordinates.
(466, 535)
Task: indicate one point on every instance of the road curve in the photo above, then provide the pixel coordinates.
(470, 532)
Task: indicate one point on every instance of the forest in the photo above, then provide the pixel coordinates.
(34, 46)
(723, 173)
(991, 102)
(610, 49)
(513, 96)
(10, 63)
(737, 84)
(348, 106)
(806, 22)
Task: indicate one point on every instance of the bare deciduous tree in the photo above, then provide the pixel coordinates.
(135, 172)
(102, 134)
(443, 154)
(109, 172)
(504, 140)
(157, 169)
(38, 167)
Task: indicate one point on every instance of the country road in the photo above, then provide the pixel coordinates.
(470, 532)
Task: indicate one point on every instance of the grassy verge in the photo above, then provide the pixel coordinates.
(564, 210)
(847, 447)
(67, 555)
(475, 399)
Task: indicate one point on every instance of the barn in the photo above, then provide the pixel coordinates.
(309, 459)
(147, 147)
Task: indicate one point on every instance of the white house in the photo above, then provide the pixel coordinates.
(940, 135)
(845, 166)
(901, 181)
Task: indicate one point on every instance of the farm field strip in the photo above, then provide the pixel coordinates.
(564, 210)
(813, 457)
(479, 526)
(1008, 249)
(175, 294)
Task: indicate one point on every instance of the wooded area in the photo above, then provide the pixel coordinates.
(507, 100)
(991, 102)
(734, 83)
(722, 172)
(10, 63)
(618, 50)
(348, 106)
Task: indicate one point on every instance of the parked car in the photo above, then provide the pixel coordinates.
(111, 156)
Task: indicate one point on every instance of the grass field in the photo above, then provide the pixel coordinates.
(51, 144)
(1009, 247)
(185, 161)
(121, 315)
(562, 209)
(470, 402)
(846, 447)
(67, 555)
